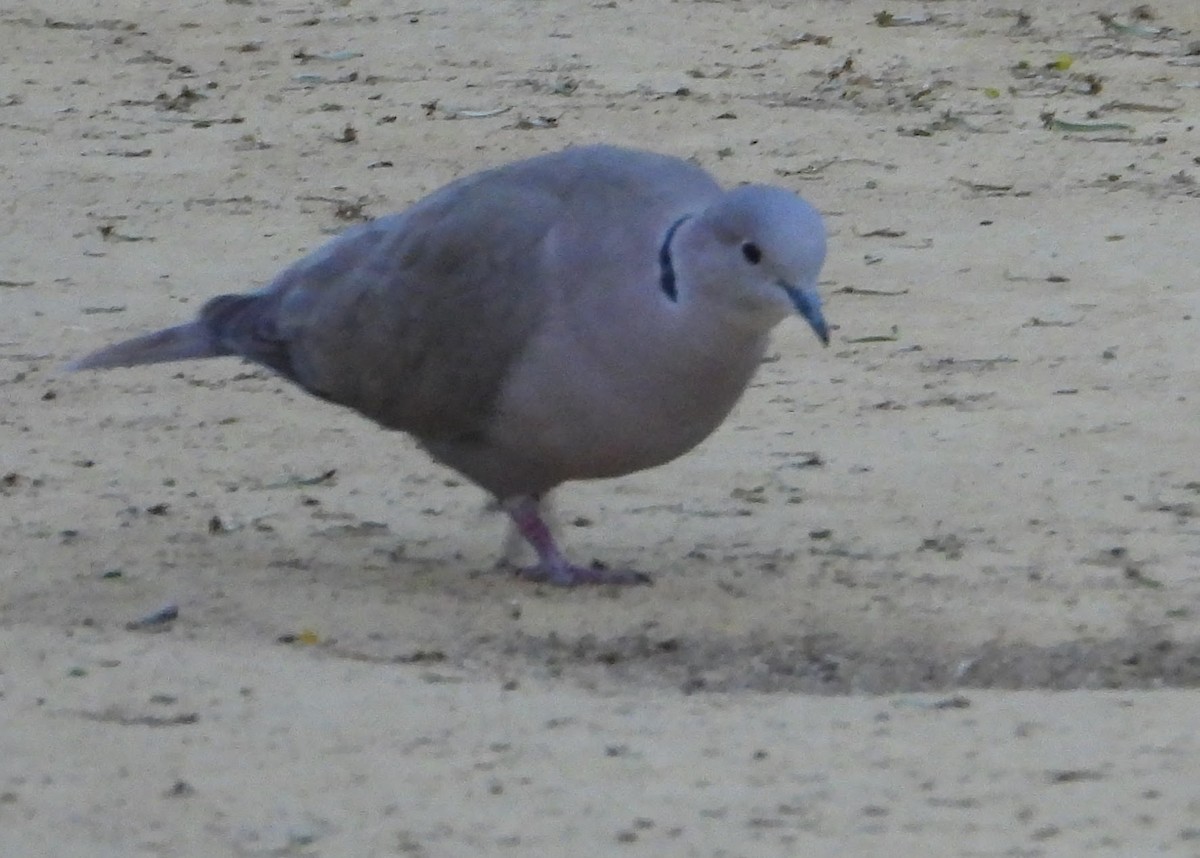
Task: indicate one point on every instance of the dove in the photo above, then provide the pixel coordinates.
(578, 315)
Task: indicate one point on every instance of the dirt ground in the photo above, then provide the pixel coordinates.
(932, 591)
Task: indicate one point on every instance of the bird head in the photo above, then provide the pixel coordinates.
(757, 252)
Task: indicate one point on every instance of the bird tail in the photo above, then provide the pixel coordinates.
(189, 341)
(242, 325)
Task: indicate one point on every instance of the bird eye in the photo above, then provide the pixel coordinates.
(751, 251)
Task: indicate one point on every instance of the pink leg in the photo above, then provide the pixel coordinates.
(553, 566)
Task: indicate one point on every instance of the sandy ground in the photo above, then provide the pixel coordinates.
(932, 591)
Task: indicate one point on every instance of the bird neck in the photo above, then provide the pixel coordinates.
(667, 277)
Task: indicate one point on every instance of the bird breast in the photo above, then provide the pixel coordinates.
(611, 405)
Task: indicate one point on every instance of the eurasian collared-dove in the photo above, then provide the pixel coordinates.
(577, 315)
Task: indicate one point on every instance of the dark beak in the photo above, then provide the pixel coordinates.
(808, 305)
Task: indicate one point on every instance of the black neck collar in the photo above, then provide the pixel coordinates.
(666, 269)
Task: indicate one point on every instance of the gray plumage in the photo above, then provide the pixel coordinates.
(577, 315)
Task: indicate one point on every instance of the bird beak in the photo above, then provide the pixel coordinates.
(808, 305)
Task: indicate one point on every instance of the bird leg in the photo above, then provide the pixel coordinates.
(553, 566)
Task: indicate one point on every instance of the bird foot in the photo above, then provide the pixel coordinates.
(553, 566)
(565, 574)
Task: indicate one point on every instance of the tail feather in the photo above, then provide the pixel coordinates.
(189, 341)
